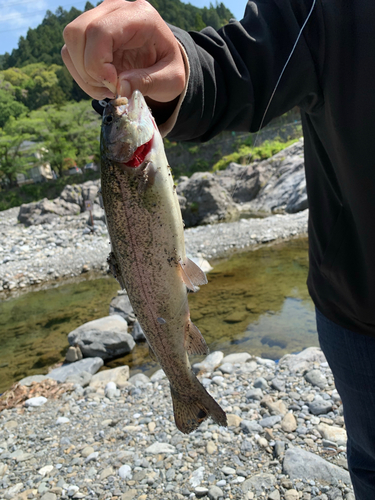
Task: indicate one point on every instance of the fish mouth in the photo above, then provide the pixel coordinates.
(139, 155)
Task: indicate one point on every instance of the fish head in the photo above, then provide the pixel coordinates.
(127, 130)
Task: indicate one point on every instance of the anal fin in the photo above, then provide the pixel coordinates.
(192, 274)
(194, 341)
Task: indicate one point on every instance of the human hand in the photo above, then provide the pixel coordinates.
(122, 46)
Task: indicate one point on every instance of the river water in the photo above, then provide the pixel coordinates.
(255, 301)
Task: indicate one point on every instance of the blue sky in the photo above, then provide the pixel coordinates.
(19, 15)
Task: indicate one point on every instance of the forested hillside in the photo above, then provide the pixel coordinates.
(42, 108)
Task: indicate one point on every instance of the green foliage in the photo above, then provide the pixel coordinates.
(9, 107)
(246, 153)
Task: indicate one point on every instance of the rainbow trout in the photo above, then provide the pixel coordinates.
(148, 251)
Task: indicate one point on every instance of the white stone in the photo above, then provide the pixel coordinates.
(34, 402)
(62, 420)
(45, 470)
(125, 472)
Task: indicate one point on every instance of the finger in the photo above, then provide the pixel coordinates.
(162, 82)
(75, 37)
(95, 90)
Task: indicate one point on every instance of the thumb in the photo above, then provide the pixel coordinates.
(162, 83)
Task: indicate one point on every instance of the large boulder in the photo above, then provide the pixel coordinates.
(105, 338)
(206, 200)
(44, 211)
(285, 189)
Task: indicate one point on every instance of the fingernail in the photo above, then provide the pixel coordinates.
(109, 86)
(124, 88)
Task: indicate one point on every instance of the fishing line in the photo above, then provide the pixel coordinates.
(257, 138)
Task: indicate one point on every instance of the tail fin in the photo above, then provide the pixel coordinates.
(192, 408)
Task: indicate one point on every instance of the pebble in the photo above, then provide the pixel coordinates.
(129, 447)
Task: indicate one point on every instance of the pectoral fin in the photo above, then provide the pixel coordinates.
(192, 275)
(194, 341)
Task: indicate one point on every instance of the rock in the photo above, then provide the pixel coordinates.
(27, 381)
(13, 491)
(121, 306)
(49, 496)
(90, 365)
(196, 477)
(139, 380)
(233, 420)
(320, 406)
(73, 354)
(62, 420)
(45, 470)
(259, 482)
(200, 491)
(119, 376)
(125, 472)
(40, 212)
(244, 182)
(304, 361)
(82, 378)
(226, 368)
(206, 200)
(274, 495)
(270, 421)
(228, 471)
(105, 337)
(215, 493)
(238, 357)
(137, 332)
(211, 362)
(254, 394)
(289, 423)
(291, 494)
(157, 448)
(301, 464)
(3, 469)
(285, 188)
(315, 377)
(260, 383)
(333, 433)
(35, 402)
(72, 194)
(21, 456)
(211, 448)
(250, 426)
(278, 384)
(158, 375)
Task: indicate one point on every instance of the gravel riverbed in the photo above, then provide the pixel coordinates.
(117, 440)
(46, 253)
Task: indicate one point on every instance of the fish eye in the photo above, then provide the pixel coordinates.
(107, 119)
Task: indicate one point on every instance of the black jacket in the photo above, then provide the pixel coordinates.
(331, 76)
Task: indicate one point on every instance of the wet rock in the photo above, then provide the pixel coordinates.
(137, 332)
(105, 338)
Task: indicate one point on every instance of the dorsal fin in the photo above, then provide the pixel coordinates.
(192, 275)
(194, 342)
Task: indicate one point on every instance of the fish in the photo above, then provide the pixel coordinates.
(148, 256)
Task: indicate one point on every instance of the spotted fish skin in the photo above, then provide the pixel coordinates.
(148, 251)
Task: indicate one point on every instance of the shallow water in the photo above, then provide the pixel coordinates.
(255, 301)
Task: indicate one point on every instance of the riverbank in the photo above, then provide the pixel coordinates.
(49, 253)
(285, 440)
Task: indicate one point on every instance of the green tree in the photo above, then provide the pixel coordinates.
(9, 107)
(13, 160)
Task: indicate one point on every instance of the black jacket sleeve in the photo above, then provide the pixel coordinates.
(233, 72)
